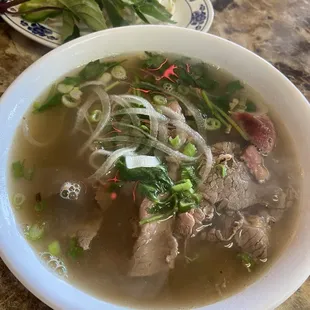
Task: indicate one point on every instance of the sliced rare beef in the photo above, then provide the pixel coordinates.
(255, 163)
(260, 130)
(156, 248)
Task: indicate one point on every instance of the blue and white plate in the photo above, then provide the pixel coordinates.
(192, 14)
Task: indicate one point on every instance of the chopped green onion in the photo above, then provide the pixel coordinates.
(175, 142)
(197, 197)
(64, 88)
(158, 217)
(95, 116)
(189, 172)
(160, 100)
(18, 200)
(223, 170)
(168, 87)
(111, 86)
(183, 90)
(145, 128)
(190, 150)
(18, 169)
(212, 124)
(219, 112)
(106, 78)
(69, 102)
(76, 94)
(119, 73)
(29, 174)
(185, 205)
(74, 248)
(54, 248)
(247, 260)
(35, 232)
(40, 206)
(184, 186)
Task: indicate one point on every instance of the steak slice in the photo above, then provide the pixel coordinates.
(156, 248)
(255, 162)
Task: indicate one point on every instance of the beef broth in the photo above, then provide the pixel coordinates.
(211, 239)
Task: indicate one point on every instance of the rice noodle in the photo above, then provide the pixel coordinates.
(82, 112)
(148, 106)
(172, 114)
(200, 121)
(95, 154)
(201, 144)
(106, 109)
(107, 165)
(118, 101)
(137, 111)
(153, 142)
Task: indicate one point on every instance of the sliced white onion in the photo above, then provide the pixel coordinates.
(139, 161)
(69, 102)
(200, 121)
(106, 109)
(95, 154)
(108, 164)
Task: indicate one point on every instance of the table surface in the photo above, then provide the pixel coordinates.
(277, 30)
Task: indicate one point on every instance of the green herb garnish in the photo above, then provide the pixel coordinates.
(247, 261)
(190, 150)
(34, 232)
(54, 248)
(74, 248)
(175, 142)
(19, 171)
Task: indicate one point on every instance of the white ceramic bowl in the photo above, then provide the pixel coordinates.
(290, 270)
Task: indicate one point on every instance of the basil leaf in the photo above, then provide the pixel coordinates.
(114, 14)
(38, 4)
(95, 69)
(67, 25)
(140, 14)
(72, 80)
(154, 9)
(88, 11)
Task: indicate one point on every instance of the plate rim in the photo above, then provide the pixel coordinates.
(52, 45)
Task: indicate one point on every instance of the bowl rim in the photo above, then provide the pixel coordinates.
(9, 256)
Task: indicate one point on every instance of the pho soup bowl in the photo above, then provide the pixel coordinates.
(288, 272)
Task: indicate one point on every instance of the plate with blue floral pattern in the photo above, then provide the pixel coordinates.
(192, 14)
